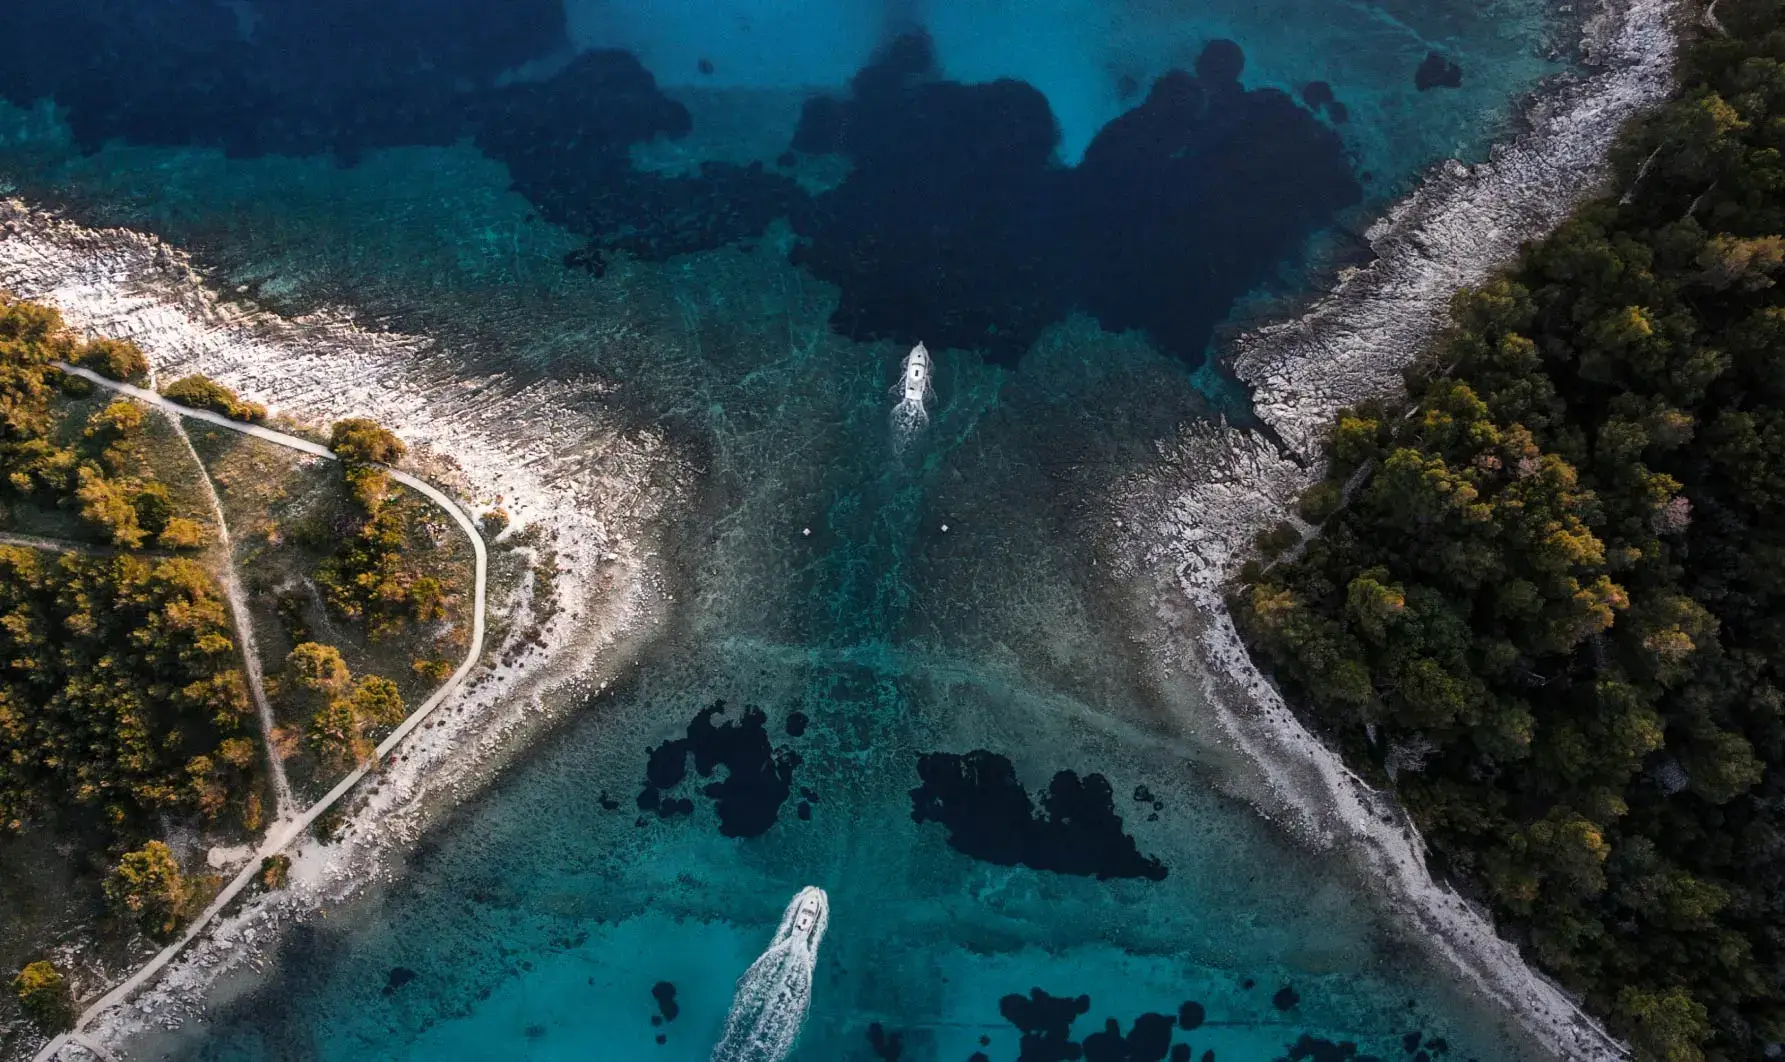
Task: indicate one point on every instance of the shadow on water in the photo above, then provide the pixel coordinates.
(956, 223)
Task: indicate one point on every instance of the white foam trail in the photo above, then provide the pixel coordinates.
(911, 414)
(1216, 487)
(770, 1005)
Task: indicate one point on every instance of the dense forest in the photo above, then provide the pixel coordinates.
(123, 702)
(121, 689)
(1552, 611)
(122, 698)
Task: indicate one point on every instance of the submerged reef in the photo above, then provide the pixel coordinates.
(990, 816)
(956, 224)
(758, 777)
(1045, 1023)
(1437, 72)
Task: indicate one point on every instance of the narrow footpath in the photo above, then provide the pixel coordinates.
(56, 545)
(285, 830)
(284, 804)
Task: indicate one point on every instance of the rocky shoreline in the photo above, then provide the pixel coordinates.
(1196, 515)
(582, 495)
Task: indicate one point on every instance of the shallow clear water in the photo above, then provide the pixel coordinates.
(535, 920)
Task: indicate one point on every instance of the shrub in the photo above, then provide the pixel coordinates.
(201, 392)
(147, 886)
(376, 702)
(114, 359)
(1273, 542)
(275, 870)
(44, 994)
(318, 670)
(1319, 502)
(181, 533)
(361, 441)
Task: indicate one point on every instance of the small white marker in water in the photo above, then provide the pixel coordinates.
(806, 531)
(944, 527)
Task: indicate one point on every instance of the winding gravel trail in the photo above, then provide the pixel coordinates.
(284, 831)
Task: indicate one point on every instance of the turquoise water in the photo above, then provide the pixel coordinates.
(534, 921)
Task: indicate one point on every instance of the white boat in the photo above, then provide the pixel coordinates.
(770, 1006)
(916, 385)
(805, 920)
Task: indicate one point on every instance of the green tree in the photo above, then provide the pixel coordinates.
(360, 441)
(118, 359)
(376, 702)
(109, 507)
(317, 670)
(337, 733)
(45, 996)
(1668, 1026)
(147, 887)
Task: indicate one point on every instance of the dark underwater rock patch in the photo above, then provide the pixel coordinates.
(1148, 1041)
(1286, 998)
(1313, 1049)
(1045, 1022)
(1318, 95)
(989, 816)
(397, 978)
(887, 1046)
(1190, 1015)
(758, 777)
(956, 226)
(565, 141)
(312, 76)
(1435, 71)
(664, 992)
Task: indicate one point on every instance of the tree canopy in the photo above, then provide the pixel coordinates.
(1554, 612)
(201, 392)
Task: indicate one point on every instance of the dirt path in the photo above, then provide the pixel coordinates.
(285, 830)
(56, 545)
(284, 804)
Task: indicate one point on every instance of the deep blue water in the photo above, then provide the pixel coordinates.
(744, 213)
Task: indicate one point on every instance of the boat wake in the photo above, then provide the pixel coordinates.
(770, 1005)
